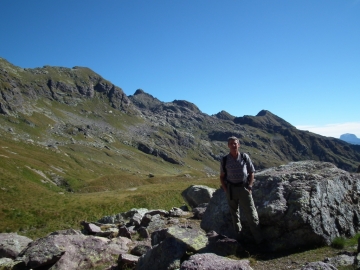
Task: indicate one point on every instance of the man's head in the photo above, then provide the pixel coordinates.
(233, 143)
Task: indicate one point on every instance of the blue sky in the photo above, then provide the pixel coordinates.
(299, 59)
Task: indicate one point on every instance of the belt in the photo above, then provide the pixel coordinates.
(235, 184)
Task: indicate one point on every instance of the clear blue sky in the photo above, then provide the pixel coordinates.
(299, 59)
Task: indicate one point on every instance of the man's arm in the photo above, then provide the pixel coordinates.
(251, 179)
(222, 181)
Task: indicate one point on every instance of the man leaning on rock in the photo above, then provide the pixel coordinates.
(237, 177)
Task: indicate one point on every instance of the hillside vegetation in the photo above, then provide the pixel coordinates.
(74, 147)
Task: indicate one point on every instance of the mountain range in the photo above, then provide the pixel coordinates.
(76, 112)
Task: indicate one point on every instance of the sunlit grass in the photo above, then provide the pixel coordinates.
(31, 205)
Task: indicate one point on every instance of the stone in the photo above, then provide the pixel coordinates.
(124, 232)
(194, 239)
(318, 266)
(166, 255)
(73, 252)
(214, 262)
(197, 194)
(90, 228)
(127, 261)
(11, 244)
(200, 210)
(177, 212)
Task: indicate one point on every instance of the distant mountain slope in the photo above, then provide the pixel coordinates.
(350, 138)
(68, 107)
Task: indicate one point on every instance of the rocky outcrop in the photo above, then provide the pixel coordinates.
(300, 204)
(73, 251)
(304, 203)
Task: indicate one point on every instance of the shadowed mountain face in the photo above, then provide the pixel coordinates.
(75, 106)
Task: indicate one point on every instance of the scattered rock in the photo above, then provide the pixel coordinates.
(213, 261)
(318, 266)
(11, 244)
(197, 194)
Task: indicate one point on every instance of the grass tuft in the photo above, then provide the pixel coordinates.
(338, 243)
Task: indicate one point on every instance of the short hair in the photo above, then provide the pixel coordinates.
(233, 138)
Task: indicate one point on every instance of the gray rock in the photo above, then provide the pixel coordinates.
(357, 261)
(5, 262)
(10, 264)
(90, 228)
(300, 204)
(124, 232)
(158, 236)
(140, 249)
(157, 222)
(108, 233)
(197, 194)
(177, 212)
(146, 220)
(221, 245)
(195, 239)
(73, 252)
(217, 215)
(318, 266)
(143, 232)
(165, 256)
(210, 261)
(11, 244)
(160, 212)
(200, 210)
(341, 260)
(135, 220)
(127, 261)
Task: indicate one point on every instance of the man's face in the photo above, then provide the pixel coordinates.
(233, 145)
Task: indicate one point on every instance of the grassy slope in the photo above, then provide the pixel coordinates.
(105, 182)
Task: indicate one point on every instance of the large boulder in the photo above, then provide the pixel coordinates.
(300, 204)
(11, 244)
(74, 251)
(217, 215)
(197, 194)
(164, 256)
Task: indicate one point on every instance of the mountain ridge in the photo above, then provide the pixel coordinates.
(172, 131)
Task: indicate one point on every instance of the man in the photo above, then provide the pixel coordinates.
(237, 178)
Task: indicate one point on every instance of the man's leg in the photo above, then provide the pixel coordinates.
(234, 208)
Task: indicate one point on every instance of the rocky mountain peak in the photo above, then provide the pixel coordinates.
(350, 138)
(264, 120)
(224, 115)
(186, 104)
(143, 100)
(264, 112)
